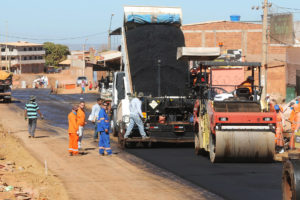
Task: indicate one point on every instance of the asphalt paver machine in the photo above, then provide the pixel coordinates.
(232, 124)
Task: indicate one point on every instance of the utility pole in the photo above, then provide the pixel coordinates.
(6, 63)
(109, 31)
(83, 57)
(264, 62)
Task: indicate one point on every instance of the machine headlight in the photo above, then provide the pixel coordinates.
(223, 119)
(126, 118)
(267, 119)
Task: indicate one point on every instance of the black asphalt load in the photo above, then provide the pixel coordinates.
(238, 181)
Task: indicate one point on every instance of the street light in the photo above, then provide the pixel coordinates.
(109, 31)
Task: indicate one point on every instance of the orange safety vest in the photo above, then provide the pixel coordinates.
(279, 130)
(80, 117)
(246, 85)
(292, 118)
(297, 120)
(73, 126)
(196, 111)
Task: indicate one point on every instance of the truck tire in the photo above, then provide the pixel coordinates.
(114, 127)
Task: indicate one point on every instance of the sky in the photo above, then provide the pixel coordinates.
(87, 21)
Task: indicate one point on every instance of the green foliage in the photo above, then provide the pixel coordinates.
(55, 53)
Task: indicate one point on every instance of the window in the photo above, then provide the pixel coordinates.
(30, 58)
(25, 49)
(35, 48)
(30, 48)
(2, 49)
(25, 58)
(35, 57)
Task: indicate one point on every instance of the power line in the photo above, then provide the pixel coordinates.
(51, 39)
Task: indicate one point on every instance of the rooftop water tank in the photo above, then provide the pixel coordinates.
(235, 18)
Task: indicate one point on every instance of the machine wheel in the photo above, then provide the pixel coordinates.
(114, 124)
(212, 148)
(290, 178)
(197, 144)
(241, 146)
(121, 133)
(114, 131)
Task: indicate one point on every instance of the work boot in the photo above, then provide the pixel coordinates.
(282, 150)
(29, 136)
(145, 137)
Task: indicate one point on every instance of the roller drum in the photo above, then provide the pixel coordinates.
(243, 146)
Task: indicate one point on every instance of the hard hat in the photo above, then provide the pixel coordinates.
(32, 98)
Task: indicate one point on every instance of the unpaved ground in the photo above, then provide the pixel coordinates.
(22, 176)
(90, 176)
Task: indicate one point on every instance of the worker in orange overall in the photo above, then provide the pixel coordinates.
(295, 122)
(195, 113)
(279, 142)
(247, 83)
(81, 121)
(73, 128)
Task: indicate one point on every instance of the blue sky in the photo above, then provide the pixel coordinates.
(49, 20)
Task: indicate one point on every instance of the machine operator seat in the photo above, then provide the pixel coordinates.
(243, 93)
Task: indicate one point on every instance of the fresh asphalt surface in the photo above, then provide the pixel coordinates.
(229, 180)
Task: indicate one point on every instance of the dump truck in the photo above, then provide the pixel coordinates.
(5, 86)
(231, 123)
(150, 38)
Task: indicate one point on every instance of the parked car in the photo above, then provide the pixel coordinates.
(80, 79)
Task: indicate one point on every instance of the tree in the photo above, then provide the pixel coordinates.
(55, 53)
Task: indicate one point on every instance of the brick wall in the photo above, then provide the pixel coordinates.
(245, 36)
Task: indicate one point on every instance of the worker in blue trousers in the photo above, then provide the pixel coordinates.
(104, 129)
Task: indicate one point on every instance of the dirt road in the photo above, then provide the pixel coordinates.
(93, 177)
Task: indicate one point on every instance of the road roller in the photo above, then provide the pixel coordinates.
(232, 123)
